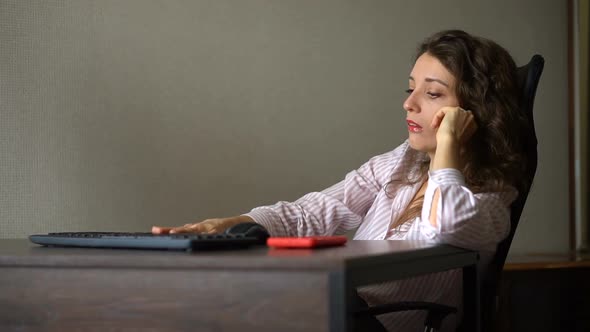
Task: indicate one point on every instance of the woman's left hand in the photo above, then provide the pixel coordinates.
(455, 123)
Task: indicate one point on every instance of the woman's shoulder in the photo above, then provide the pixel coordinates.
(383, 166)
(403, 158)
(401, 152)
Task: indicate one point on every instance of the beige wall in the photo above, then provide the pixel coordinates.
(117, 115)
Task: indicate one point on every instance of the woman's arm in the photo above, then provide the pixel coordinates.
(446, 156)
(462, 218)
(335, 210)
(455, 126)
(331, 211)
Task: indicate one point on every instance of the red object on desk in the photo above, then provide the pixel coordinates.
(306, 242)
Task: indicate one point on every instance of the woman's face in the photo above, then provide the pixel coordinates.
(431, 87)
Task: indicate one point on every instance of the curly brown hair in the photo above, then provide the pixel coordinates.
(487, 85)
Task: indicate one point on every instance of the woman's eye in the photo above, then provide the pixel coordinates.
(409, 91)
(433, 95)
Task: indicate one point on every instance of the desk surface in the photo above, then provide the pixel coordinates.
(73, 289)
(355, 254)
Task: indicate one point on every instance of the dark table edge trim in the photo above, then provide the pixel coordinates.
(380, 270)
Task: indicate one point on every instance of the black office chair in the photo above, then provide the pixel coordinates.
(528, 80)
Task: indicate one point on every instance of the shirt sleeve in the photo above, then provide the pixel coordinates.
(334, 210)
(464, 219)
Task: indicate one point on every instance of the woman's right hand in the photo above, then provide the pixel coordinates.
(208, 226)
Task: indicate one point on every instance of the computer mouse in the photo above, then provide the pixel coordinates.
(249, 229)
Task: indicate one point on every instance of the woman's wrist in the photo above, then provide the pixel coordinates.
(242, 218)
(447, 153)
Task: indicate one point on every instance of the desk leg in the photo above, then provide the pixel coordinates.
(341, 295)
(471, 301)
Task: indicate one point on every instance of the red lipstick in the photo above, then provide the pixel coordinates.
(413, 127)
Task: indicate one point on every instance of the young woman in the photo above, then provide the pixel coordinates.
(452, 181)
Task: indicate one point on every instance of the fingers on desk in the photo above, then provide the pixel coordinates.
(188, 228)
(161, 230)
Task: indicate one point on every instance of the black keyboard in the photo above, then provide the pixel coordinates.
(149, 240)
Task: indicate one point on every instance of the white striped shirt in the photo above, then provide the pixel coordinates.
(464, 219)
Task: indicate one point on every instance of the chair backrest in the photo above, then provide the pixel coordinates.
(528, 79)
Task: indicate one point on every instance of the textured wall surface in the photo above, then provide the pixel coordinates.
(117, 115)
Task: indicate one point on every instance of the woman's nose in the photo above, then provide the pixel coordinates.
(410, 105)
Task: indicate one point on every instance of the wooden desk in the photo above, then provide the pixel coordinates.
(259, 289)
